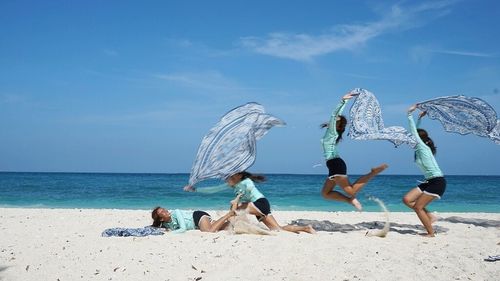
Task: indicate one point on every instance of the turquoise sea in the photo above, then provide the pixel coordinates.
(284, 191)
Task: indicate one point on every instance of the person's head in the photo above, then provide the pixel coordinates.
(424, 136)
(160, 215)
(236, 178)
(341, 123)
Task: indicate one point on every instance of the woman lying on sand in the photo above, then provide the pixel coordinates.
(179, 221)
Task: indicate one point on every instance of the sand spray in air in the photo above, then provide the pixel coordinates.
(241, 224)
(380, 232)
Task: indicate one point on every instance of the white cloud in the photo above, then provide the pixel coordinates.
(304, 47)
(423, 54)
(463, 53)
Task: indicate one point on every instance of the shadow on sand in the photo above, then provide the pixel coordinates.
(476, 222)
(396, 227)
(344, 228)
(2, 268)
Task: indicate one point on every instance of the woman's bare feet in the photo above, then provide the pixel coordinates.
(310, 230)
(426, 235)
(377, 170)
(235, 202)
(356, 204)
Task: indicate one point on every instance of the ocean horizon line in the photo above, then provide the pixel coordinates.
(186, 173)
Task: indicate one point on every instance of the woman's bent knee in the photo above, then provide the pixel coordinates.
(326, 193)
(407, 201)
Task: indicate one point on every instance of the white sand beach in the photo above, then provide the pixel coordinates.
(66, 244)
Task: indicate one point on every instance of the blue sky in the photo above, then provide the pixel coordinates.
(128, 86)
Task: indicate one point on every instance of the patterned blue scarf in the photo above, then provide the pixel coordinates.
(464, 115)
(230, 146)
(367, 123)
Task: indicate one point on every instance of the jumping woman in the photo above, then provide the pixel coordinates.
(337, 169)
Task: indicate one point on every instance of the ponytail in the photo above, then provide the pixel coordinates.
(424, 136)
(341, 124)
(255, 178)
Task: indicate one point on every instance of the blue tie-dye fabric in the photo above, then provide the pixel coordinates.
(367, 123)
(464, 115)
(230, 146)
(124, 232)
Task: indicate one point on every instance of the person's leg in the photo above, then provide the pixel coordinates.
(242, 206)
(411, 197)
(328, 193)
(422, 201)
(299, 228)
(252, 210)
(272, 224)
(222, 222)
(263, 213)
(353, 189)
(204, 224)
(207, 225)
(432, 217)
(268, 220)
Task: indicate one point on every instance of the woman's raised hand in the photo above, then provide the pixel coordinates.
(412, 108)
(189, 188)
(349, 96)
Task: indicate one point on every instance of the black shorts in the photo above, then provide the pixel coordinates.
(197, 215)
(336, 167)
(434, 187)
(262, 204)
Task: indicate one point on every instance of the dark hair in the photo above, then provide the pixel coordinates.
(341, 124)
(156, 217)
(256, 178)
(424, 136)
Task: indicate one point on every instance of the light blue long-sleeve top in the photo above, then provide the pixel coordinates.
(423, 154)
(181, 221)
(329, 139)
(246, 187)
(248, 191)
